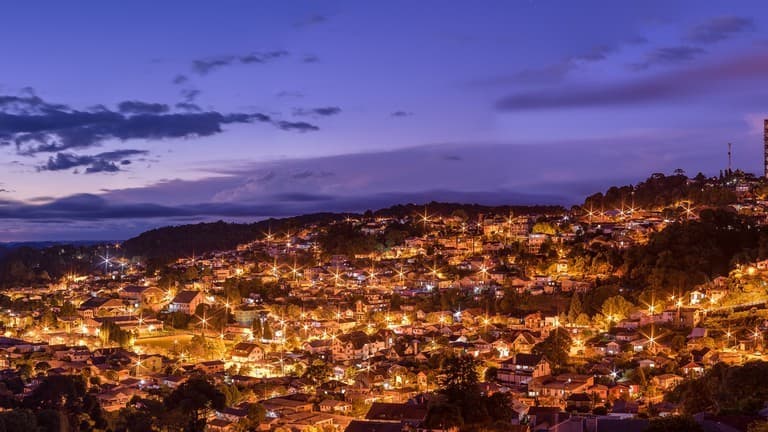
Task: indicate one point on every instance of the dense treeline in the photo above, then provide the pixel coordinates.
(725, 389)
(166, 244)
(689, 253)
(59, 403)
(659, 191)
(347, 239)
(26, 265)
(470, 211)
(169, 243)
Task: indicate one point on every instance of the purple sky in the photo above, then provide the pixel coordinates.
(115, 118)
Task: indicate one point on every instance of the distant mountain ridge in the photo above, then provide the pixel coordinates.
(184, 240)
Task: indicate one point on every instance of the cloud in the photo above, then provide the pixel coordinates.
(138, 107)
(102, 162)
(669, 55)
(289, 94)
(720, 28)
(552, 72)
(681, 84)
(321, 111)
(296, 126)
(309, 174)
(180, 79)
(400, 113)
(36, 126)
(207, 65)
(190, 95)
(311, 20)
(372, 180)
(311, 58)
(187, 106)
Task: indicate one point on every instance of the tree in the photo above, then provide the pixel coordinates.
(544, 228)
(18, 420)
(194, 399)
(575, 309)
(318, 372)
(674, 424)
(490, 373)
(616, 308)
(256, 415)
(459, 375)
(555, 347)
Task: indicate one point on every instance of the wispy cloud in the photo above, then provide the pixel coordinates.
(317, 112)
(208, 65)
(720, 28)
(678, 84)
(311, 20)
(401, 113)
(669, 55)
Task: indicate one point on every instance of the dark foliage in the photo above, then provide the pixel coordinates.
(689, 253)
(725, 389)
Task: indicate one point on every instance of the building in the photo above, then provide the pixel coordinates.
(765, 146)
(245, 352)
(521, 368)
(186, 302)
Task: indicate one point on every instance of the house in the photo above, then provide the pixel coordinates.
(406, 413)
(521, 368)
(335, 406)
(560, 387)
(523, 343)
(667, 381)
(101, 306)
(186, 302)
(692, 369)
(245, 352)
(373, 426)
(211, 367)
(144, 296)
(578, 401)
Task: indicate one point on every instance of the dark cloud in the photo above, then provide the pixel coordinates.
(401, 114)
(289, 94)
(187, 106)
(320, 111)
(311, 20)
(453, 158)
(180, 79)
(552, 72)
(681, 84)
(206, 66)
(138, 107)
(301, 197)
(720, 28)
(311, 58)
(35, 126)
(102, 162)
(190, 95)
(296, 126)
(262, 57)
(669, 55)
(309, 174)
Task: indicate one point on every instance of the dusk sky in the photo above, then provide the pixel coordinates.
(117, 117)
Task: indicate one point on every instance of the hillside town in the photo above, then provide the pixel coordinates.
(353, 324)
